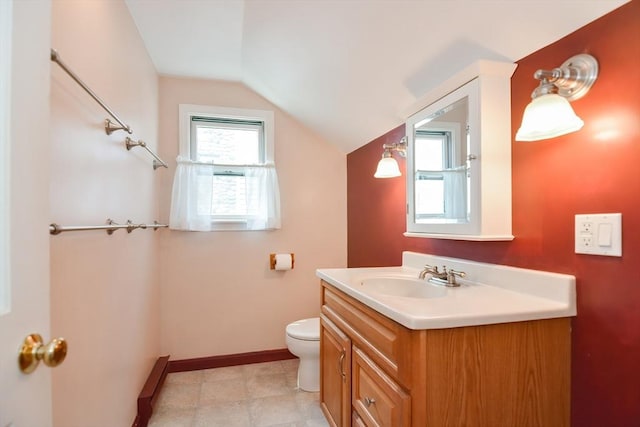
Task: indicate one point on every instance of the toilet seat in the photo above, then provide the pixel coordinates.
(305, 329)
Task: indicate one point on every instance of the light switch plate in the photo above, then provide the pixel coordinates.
(599, 234)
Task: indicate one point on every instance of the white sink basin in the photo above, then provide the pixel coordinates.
(402, 287)
(489, 294)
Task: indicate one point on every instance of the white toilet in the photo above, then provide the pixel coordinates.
(303, 340)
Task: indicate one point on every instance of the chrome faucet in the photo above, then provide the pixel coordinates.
(444, 277)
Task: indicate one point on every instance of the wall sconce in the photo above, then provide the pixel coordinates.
(549, 113)
(388, 166)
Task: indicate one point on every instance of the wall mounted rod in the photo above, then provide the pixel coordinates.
(109, 227)
(158, 162)
(55, 57)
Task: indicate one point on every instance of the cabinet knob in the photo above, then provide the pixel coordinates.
(368, 401)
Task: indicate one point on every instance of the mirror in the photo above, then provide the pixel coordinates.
(440, 165)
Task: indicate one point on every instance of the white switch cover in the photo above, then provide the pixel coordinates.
(599, 234)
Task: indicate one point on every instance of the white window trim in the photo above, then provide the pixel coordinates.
(186, 111)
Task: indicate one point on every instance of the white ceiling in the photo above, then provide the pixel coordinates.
(349, 69)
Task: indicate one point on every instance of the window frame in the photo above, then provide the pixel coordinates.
(222, 123)
(446, 133)
(187, 111)
(186, 144)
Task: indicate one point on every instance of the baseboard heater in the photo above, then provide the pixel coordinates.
(151, 390)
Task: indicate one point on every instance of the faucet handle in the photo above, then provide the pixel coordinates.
(453, 272)
(451, 276)
(431, 268)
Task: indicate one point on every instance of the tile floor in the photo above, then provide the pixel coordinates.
(256, 395)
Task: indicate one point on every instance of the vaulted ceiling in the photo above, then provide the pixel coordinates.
(349, 69)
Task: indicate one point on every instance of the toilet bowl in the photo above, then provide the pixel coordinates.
(303, 340)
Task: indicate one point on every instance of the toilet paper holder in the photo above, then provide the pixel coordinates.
(272, 261)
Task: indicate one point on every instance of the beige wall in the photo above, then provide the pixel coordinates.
(104, 289)
(122, 300)
(218, 295)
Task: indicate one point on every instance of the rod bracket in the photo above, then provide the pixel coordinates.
(130, 143)
(111, 230)
(157, 164)
(110, 127)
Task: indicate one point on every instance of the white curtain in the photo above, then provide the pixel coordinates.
(455, 193)
(263, 198)
(193, 198)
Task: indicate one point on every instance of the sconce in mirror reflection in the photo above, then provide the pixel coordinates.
(549, 113)
(388, 166)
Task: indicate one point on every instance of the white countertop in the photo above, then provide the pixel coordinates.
(489, 294)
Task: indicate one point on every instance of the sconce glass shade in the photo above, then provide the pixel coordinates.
(387, 168)
(548, 116)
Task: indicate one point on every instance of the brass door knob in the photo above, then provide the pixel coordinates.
(34, 350)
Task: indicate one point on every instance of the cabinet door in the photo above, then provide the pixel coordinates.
(377, 399)
(335, 374)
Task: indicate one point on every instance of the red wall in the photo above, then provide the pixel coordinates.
(595, 170)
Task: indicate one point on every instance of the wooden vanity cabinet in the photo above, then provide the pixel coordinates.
(508, 374)
(335, 374)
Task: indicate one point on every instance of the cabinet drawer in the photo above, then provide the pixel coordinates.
(376, 398)
(356, 421)
(386, 341)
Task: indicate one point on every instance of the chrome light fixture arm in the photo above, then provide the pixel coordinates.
(399, 147)
(572, 79)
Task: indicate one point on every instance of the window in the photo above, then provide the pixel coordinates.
(441, 178)
(226, 177)
(433, 156)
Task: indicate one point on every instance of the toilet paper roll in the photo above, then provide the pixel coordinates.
(284, 261)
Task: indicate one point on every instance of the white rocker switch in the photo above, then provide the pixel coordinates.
(604, 235)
